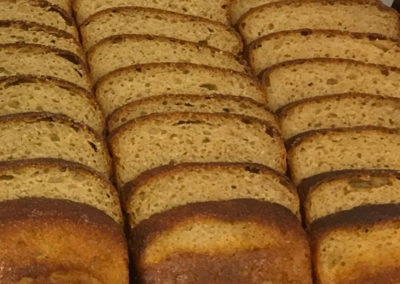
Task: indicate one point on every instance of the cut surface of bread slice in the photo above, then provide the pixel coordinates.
(163, 188)
(214, 10)
(358, 246)
(58, 179)
(20, 94)
(190, 103)
(235, 241)
(35, 59)
(325, 76)
(30, 32)
(42, 135)
(239, 7)
(359, 16)
(165, 139)
(333, 192)
(142, 81)
(339, 111)
(320, 151)
(58, 241)
(38, 11)
(121, 51)
(136, 20)
(303, 44)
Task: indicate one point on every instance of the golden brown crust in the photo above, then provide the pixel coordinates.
(129, 188)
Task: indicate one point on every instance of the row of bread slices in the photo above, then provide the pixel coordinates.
(330, 70)
(60, 216)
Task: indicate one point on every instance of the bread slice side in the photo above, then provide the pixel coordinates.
(329, 193)
(214, 10)
(156, 22)
(320, 151)
(326, 76)
(42, 135)
(190, 103)
(39, 11)
(27, 93)
(242, 241)
(76, 242)
(357, 246)
(238, 8)
(164, 188)
(121, 51)
(339, 111)
(305, 44)
(58, 179)
(142, 81)
(35, 59)
(361, 16)
(166, 139)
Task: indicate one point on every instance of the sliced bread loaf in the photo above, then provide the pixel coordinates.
(320, 151)
(358, 246)
(333, 192)
(163, 188)
(121, 51)
(35, 59)
(303, 44)
(360, 16)
(30, 32)
(143, 81)
(338, 111)
(38, 11)
(166, 139)
(190, 103)
(301, 79)
(136, 20)
(216, 10)
(236, 241)
(58, 241)
(19, 94)
(41, 135)
(237, 8)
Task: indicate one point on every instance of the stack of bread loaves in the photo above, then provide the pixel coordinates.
(331, 72)
(199, 159)
(60, 217)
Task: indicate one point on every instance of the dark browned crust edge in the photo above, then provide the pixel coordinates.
(129, 189)
(116, 38)
(136, 9)
(279, 4)
(283, 111)
(239, 210)
(300, 138)
(238, 99)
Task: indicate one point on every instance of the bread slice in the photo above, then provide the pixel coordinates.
(58, 179)
(63, 4)
(190, 103)
(304, 44)
(216, 10)
(338, 111)
(41, 135)
(163, 188)
(320, 151)
(58, 241)
(358, 246)
(325, 76)
(238, 8)
(39, 11)
(121, 51)
(333, 192)
(142, 81)
(35, 59)
(136, 20)
(27, 93)
(30, 32)
(236, 241)
(362, 16)
(166, 139)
